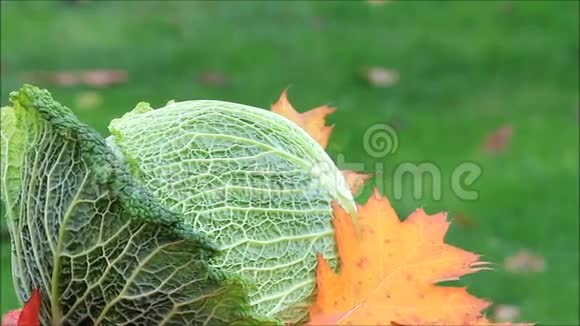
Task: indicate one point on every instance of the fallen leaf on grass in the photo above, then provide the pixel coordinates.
(314, 123)
(214, 78)
(389, 271)
(464, 221)
(378, 2)
(88, 100)
(524, 261)
(380, 77)
(498, 140)
(93, 78)
(507, 8)
(355, 180)
(317, 23)
(505, 313)
(78, 2)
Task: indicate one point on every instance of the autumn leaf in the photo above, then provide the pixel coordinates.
(389, 271)
(525, 261)
(214, 78)
(378, 2)
(312, 121)
(498, 140)
(94, 78)
(3, 67)
(29, 315)
(464, 221)
(88, 100)
(506, 313)
(380, 77)
(11, 317)
(355, 180)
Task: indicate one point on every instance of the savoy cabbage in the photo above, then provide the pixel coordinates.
(200, 212)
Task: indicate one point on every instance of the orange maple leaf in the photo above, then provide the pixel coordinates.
(389, 272)
(355, 180)
(314, 123)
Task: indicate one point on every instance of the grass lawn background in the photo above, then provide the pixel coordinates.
(466, 69)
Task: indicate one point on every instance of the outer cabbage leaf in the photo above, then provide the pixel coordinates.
(251, 180)
(99, 247)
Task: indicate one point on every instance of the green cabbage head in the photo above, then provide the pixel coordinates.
(199, 212)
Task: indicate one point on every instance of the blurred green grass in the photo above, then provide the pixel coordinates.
(466, 69)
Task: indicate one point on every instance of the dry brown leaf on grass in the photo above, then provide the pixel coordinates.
(214, 78)
(317, 23)
(464, 221)
(379, 76)
(88, 100)
(314, 123)
(93, 78)
(78, 2)
(498, 140)
(378, 2)
(507, 8)
(505, 313)
(524, 261)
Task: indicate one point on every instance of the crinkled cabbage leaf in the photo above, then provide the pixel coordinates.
(201, 212)
(252, 181)
(99, 246)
